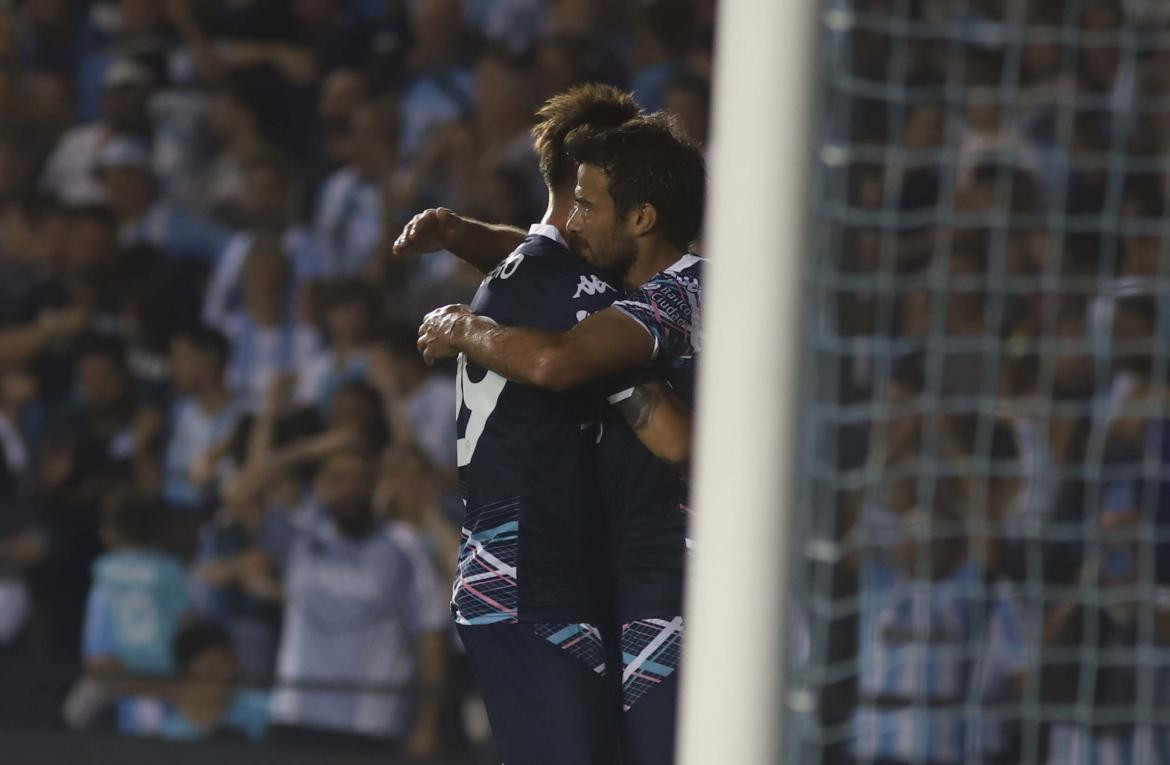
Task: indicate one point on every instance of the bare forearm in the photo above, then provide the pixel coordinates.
(521, 354)
(484, 245)
(661, 421)
(18, 346)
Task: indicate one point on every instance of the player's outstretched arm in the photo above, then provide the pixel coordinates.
(603, 344)
(661, 420)
(482, 245)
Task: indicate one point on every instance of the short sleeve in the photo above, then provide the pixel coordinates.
(277, 535)
(665, 309)
(98, 638)
(428, 605)
(620, 387)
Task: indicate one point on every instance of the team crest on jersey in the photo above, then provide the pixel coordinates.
(592, 285)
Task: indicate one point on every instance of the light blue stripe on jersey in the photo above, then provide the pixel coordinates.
(487, 535)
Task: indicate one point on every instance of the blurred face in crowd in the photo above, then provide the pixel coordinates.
(264, 197)
(315, 14)
(191, 368)
(598, 233)
(502, 94)
(128, 189)
(124, 106)
(575, 17)
(558, 66)
(48, 13)
(228, 118)
(348, 322)
(345, 488)
(101, 381)
(211, 676)
(49, 105)
(342, 93)
(265, 278)
(351, 411)
(7, 90)
(436, 26)
(93, 245)
(924, 127)
(370, 141)
(140, 16)
(1100, 62)
(1072, 361)
(16, 234)
(1132, 335)
(691, 111)
(8, 34)
(1142, 249)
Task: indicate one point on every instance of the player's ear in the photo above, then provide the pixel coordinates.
(643, 219)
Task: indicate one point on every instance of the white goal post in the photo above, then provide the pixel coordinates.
(746, 450)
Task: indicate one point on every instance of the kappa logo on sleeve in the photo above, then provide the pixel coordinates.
(592, 285)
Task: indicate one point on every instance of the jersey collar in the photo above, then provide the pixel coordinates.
(548, 232)
(683, 263)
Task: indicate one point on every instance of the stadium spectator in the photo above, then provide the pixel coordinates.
(917, 579)
(350, 317)
(138, 595)
(203, 700)
(347, 223)
(439, 89)
(268, 342)
(363, 609)
(123, 167)
(266, 209)
(163, 162)
(69, 172)
(203, 416)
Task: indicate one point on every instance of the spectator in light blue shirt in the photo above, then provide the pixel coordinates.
(201, 419)
(440, 91)
(205, 701)
(139, 594)
(125, 170)
(268, 343)
(348, 221)
(364, 613)
(266, 207)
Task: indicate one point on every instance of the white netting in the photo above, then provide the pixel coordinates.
(984, 528)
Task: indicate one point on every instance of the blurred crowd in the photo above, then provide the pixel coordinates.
(228, 501)
(992, 257)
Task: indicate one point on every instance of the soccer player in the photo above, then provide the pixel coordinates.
(529, 594)
(638, 205)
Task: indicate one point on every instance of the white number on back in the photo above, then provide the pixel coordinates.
(480, 398)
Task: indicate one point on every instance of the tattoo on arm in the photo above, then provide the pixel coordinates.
(639, 406)
(638, 410)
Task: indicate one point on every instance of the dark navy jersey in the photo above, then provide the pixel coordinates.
(645, 498)
(532, 533)
(645, 501)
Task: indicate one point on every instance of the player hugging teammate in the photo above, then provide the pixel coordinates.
(576, 367)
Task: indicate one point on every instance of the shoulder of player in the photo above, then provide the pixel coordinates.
(688, 269)
(541, 255)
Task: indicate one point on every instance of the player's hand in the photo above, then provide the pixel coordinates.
(430, 230)
(437, 333)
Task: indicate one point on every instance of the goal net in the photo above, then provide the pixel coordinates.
(982, 561)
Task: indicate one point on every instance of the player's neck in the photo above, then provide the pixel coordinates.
(560, 207)
(653, 256)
